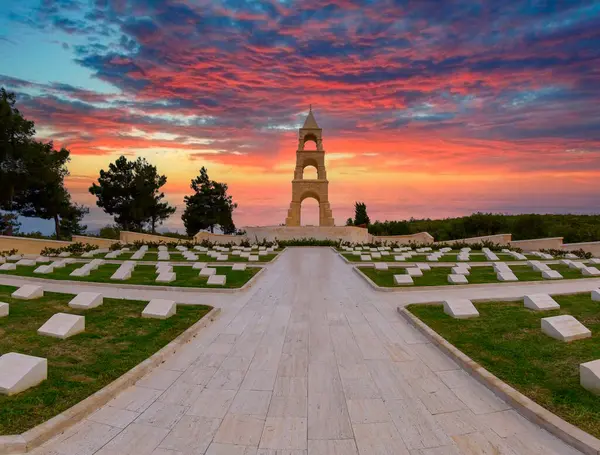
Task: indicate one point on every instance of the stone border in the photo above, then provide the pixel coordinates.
(506, 284)
(529, 409)
(140, 287)
(30, 439)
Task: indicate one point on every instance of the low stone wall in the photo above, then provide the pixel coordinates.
(131, 237)
(498, 239)
(589, 247)
(351, 234)
(99, 242)
(219, 238)
(555, 243)
(26, 245)
(420, 237)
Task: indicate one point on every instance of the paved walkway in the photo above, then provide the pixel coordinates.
(309, 361)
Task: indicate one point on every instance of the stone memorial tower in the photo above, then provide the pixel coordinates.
(315, 188)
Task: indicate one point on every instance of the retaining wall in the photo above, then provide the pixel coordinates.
(99, 242)
(420, 237)
(498, 239)
(555, 243)
(590, 247)
(27, 245)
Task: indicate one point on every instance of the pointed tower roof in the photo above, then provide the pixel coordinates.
(310, 122)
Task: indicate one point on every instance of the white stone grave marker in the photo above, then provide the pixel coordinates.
(86, 300)
(208, 272)
(460, 308)
(63, 326)
(564, 328)
(457, 279)
(19, 372)
(589, 376)
(551, 275)
(4, 309)
(217, 280)
(159, 309)
(381, 266)
(238, 267)
(540, 302)
(28, 292)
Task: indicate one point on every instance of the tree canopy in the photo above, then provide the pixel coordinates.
(32, 172)
(208, 206)
(130, 191)
(360, 214)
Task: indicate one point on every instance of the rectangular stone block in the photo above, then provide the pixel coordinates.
(596, 295)
(14, 257)
(199, 265)
(166, 277)
(423, 266)
(576, 265)
(164, 268)
(564, 328)
(506, 276)
(8, 266)
(27, 262)
(540, 302)
(595, 261)
(159, 309)
(458, 270)
(403, 280)
(86, 300)
(217, 280)
(95, 263)
(64, 254)
(59, 264)
(399, 258)
(238, 267)
(252, 258)
(365, 257)
(590, 271)
(460, 308)
(589, 376)
(551, 275)
(457, 279)
(123, 272)
(207, 272)
(19, 372)
(414, 271)
(491, 256)
(138, 255)
(163, 256)
(381, 266)
(245, 254)
(540, 267)
(63, 326)
(376, 255)
(28, 292)
(4, 309)
(44, 269)
(81, 271)
(224, 257)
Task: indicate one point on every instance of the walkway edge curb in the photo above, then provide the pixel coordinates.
(529, 409)
(30, 439)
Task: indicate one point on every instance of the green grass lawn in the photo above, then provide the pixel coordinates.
(506, 339)
(438, 276)
(116, 339)
(144, 274)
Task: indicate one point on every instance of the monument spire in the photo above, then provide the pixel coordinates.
(310, 122)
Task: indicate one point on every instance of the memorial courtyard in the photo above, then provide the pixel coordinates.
(309, 358)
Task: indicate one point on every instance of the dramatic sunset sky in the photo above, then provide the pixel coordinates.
(428, 108)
